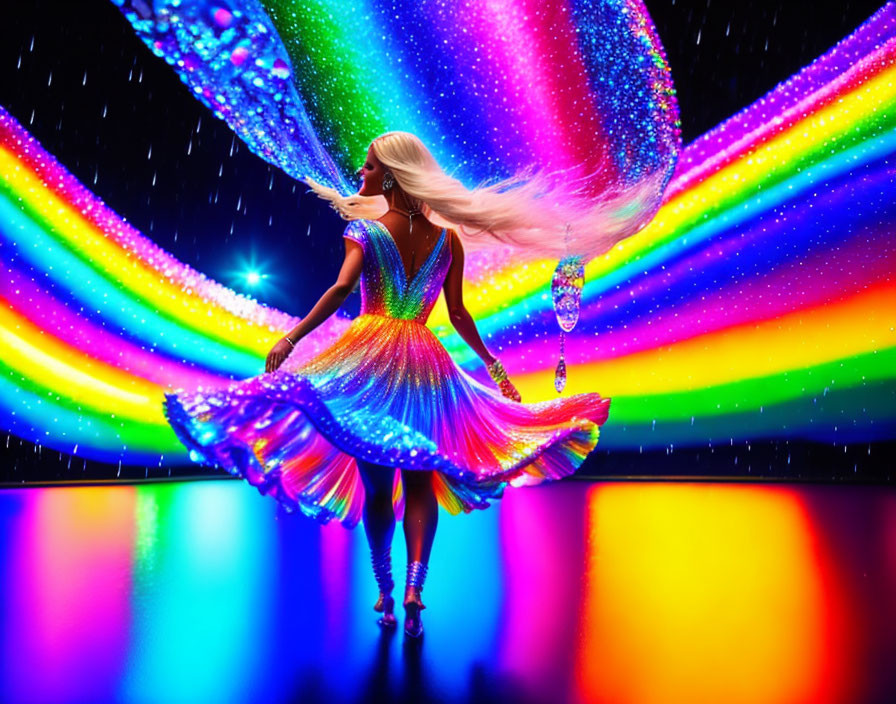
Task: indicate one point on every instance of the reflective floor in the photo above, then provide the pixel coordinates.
(574, 592)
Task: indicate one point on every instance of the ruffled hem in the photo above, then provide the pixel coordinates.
(277, 432)
(386, 392)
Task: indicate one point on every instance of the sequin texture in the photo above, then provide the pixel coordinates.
(387, 392)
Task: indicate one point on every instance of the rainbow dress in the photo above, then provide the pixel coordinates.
(385, 392)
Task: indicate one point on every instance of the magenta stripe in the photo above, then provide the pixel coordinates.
(91, 340)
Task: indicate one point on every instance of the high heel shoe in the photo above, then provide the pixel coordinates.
(387, 606)
(413, 624)
(382, 571)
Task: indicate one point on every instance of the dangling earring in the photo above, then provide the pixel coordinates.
(388, 181)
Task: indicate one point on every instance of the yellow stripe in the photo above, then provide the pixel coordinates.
(860, 324)
(64, 371)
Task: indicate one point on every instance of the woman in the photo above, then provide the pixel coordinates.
(327, 435)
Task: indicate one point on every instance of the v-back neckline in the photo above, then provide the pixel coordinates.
(438, 244)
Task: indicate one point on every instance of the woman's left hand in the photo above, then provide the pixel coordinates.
(499, 376)
(277, 355)
(509, 390)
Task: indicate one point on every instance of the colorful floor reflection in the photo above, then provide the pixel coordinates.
(579, 592)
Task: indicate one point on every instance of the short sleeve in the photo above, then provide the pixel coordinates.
(355, 231)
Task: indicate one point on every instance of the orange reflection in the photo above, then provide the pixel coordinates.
(701, 593)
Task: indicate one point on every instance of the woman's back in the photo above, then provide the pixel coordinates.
(389, 285)
(413, 246)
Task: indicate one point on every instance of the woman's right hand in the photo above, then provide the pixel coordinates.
(278, 354)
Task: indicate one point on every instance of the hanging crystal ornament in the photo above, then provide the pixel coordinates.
(560, 372)
(566, 292)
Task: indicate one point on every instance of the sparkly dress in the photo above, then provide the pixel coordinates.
(386, 392)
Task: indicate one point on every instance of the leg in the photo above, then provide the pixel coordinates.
(421, 517)
(379, 525)
(421, 514)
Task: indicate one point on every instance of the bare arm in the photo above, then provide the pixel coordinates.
(460, 316)
(328, 304)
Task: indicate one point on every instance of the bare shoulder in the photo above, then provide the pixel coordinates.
(454, 240)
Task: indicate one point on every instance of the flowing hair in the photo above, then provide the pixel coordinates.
(543, 215)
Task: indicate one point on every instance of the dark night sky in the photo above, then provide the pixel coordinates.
(77, 77)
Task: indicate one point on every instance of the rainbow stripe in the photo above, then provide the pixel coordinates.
(760, 302)
(579, 89)
(97, 321)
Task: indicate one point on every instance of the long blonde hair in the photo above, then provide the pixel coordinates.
(531, 212)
